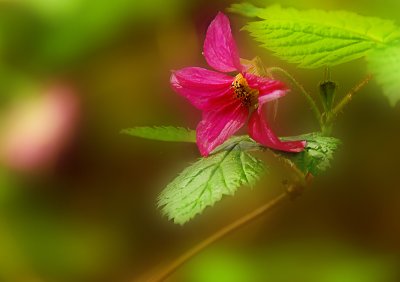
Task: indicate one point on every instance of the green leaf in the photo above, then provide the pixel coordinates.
(163, 133)
(245, 9)
(205, 182)
(385, 64)
(315, 38)
(242, 142)
(314, 159)
(317, 155)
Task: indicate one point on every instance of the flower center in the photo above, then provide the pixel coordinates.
(242, 91)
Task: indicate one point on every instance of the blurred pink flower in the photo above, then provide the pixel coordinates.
(228, 101)
(36, 129)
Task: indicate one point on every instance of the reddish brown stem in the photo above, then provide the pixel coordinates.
(291, 192)
(349, 96)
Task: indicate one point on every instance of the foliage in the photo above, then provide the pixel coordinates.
(61, 32)
(6, 186)
(55, 245)
(315, 158)
(61, 35)
(316, 38)
(243, 143)
(205, 182)
(317, 155)
(230, 166)
(162, 133)
(76, 27)
(312, 261)
(385, 64)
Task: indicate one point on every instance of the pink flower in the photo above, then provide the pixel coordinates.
(229, 102)
(37, 129)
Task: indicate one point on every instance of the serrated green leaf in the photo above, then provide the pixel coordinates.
(242, 143)
(205, 182)
(317, 155)
(162, 133)
(315, 38)
(385, 64)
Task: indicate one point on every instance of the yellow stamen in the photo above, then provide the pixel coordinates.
(242, 91)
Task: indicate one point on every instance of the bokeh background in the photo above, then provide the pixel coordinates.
(77, 198)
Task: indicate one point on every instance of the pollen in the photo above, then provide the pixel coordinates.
(242, 91)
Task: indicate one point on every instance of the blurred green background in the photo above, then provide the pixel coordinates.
(77, 199)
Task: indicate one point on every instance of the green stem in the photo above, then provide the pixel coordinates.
(306, 95)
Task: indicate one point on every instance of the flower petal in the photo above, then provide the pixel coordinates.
(217, 126)
(260, 131)
(205, 89)
(220, 48)
(269, 89)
